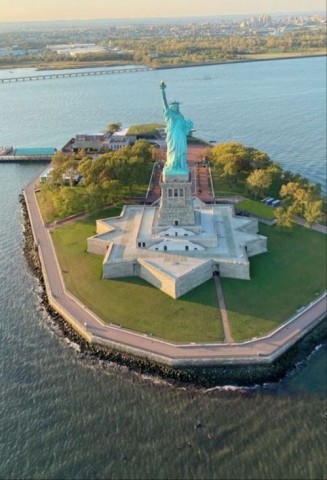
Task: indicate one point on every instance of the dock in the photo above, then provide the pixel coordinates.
(24, 155)
(25, 158)
(94, 73)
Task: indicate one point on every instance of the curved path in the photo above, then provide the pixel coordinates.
(263, 350)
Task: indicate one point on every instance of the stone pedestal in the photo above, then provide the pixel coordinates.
(179, 175)
(176, 204)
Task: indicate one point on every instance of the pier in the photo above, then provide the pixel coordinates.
(11, 154)
(25, 158)
(94, 73)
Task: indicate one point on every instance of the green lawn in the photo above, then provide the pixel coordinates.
(256, 208)
(149, 128)
(289, 276)
(131, 302)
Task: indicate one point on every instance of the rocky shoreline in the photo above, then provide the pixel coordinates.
(238, 375)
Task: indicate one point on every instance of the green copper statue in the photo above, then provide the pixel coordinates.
(177, 129)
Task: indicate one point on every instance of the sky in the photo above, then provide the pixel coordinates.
(39, 10)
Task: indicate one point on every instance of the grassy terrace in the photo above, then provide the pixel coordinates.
(149, 128)
(131, 302)
(256, 208)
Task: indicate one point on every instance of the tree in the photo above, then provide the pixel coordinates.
(285, 216)
(259, 181)
(275, 171)
(85, 169)
(303, 199)
(259, 159)
(113, 191)
(313, 213)
(234, 161)
(114, 127)
(68, 201)
(224, 152)
(230, 170)
(95, 198)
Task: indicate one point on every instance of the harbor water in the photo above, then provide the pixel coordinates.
(64, 417)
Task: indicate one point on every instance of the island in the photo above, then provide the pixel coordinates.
(184, 317)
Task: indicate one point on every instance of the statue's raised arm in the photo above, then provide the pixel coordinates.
(164, 98)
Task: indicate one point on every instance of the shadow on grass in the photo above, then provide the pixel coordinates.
(102, 214)
(204, 294)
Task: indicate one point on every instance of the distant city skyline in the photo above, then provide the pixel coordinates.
(47, 10)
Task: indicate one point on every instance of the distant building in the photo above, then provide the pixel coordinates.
(108, 141)
(89, 142)
(68, 179)
(120, 139)
(116, 143)
(45, 174)
(76, 49)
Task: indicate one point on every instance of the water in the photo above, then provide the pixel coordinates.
(63, 418)
(279, 107)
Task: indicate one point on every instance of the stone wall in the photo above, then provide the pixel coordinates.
(96, 246)
(251, 226)
(195, 278)
(176, 287)
(235, 270)
(157, 278)
(120, 269)
(257, 246)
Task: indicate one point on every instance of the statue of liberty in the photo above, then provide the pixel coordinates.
(177, 129)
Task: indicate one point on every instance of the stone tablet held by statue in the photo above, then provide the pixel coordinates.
(177, 129)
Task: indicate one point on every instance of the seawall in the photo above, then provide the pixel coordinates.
(203, 370)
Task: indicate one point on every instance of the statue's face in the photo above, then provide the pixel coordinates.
(175, 107)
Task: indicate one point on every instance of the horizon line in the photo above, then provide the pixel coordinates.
(96, 19)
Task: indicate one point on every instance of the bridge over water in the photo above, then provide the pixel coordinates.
(94, 73)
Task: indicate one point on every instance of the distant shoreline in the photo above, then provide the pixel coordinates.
(91, 64)
(245, 60)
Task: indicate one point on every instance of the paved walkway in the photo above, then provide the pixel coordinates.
(317, 227)
(223, 311)
(264, 349)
